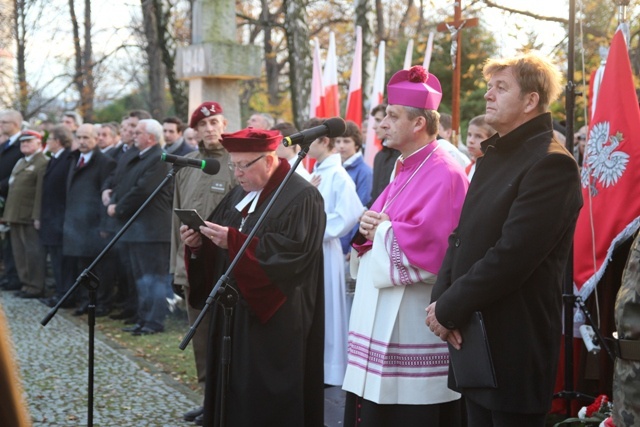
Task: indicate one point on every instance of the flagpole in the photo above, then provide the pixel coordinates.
(568, 297)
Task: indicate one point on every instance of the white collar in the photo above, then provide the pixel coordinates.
(251, 197)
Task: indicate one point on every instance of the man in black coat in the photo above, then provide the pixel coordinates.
(148, 240)
(507, 258)
(54, 196)
(175, 143)
(84, 211)
(10, 124)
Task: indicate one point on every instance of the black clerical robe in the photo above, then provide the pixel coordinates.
(277, 329)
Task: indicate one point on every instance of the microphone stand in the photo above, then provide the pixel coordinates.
(227, 296)
(90, 281)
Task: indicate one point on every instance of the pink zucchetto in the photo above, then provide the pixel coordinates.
(414, 87)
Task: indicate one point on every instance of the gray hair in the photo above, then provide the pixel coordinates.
(154, 128)
(268, 118)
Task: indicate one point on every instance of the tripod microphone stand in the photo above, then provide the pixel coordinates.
(90, 281)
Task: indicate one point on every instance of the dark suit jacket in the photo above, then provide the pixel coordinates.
(507, 259)
(9, 156)
(141, 175)
(54, 197)
(84, 209)
(183, 148)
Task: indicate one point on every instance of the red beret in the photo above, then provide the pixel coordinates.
(204, 110)
(251, 140)
(26, 135)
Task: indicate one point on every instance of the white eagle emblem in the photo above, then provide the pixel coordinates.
(602, 163)
(205, 111)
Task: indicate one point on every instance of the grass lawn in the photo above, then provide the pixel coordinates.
(159, 350)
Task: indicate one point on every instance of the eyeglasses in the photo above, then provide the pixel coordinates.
(242, 168)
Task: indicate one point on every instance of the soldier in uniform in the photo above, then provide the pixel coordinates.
(626, 388)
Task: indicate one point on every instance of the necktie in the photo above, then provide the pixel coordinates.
(81, 162)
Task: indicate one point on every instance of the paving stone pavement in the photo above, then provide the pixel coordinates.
(127, 391)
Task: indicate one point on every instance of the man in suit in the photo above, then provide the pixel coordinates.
(84, 212)
(23, 209)
(10, 122)
(508, 255)
(174, 142)
(125, 298)
(148, 239)
(107, 137)
(54, 196)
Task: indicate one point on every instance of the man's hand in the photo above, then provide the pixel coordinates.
(111, 210)
(190, 238)
(369, 222)
(453, 336)
(218, 234)
(106, 197)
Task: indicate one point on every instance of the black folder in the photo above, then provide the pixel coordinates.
(472, 365)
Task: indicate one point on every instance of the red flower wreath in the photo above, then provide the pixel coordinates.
(597, 405)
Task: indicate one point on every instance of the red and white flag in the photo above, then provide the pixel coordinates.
(354, 100)
(427, 52)
(408, 55)
(330, 80)
(316, 106)
(610, 172)
(372, 143)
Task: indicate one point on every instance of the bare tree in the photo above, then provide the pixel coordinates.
(297, 33)
(156, 70)
(83, 72)
(270, 58)
(364, 12)
(167, 45)
(20, 9)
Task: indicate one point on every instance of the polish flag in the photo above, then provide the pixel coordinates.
(354, 100)
(610, 172)
(408, 55)
(372, 143)
(330, 81)
(427, 53)
(316, 106)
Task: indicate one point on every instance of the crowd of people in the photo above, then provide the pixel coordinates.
(432, 234)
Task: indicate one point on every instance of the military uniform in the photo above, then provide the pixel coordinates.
(626, 388)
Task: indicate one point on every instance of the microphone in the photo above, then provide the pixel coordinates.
(208, 166)
(331, 128)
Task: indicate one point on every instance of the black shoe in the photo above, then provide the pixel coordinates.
(49, 302)
(135, 328)
(81, 310)
(199, 419)
(132, 320)
(102, 311)
(193, 414)
(122, 315)
(28, 295)
(146, 331)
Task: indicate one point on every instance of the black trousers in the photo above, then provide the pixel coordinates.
(359, 412)
(479, 416)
